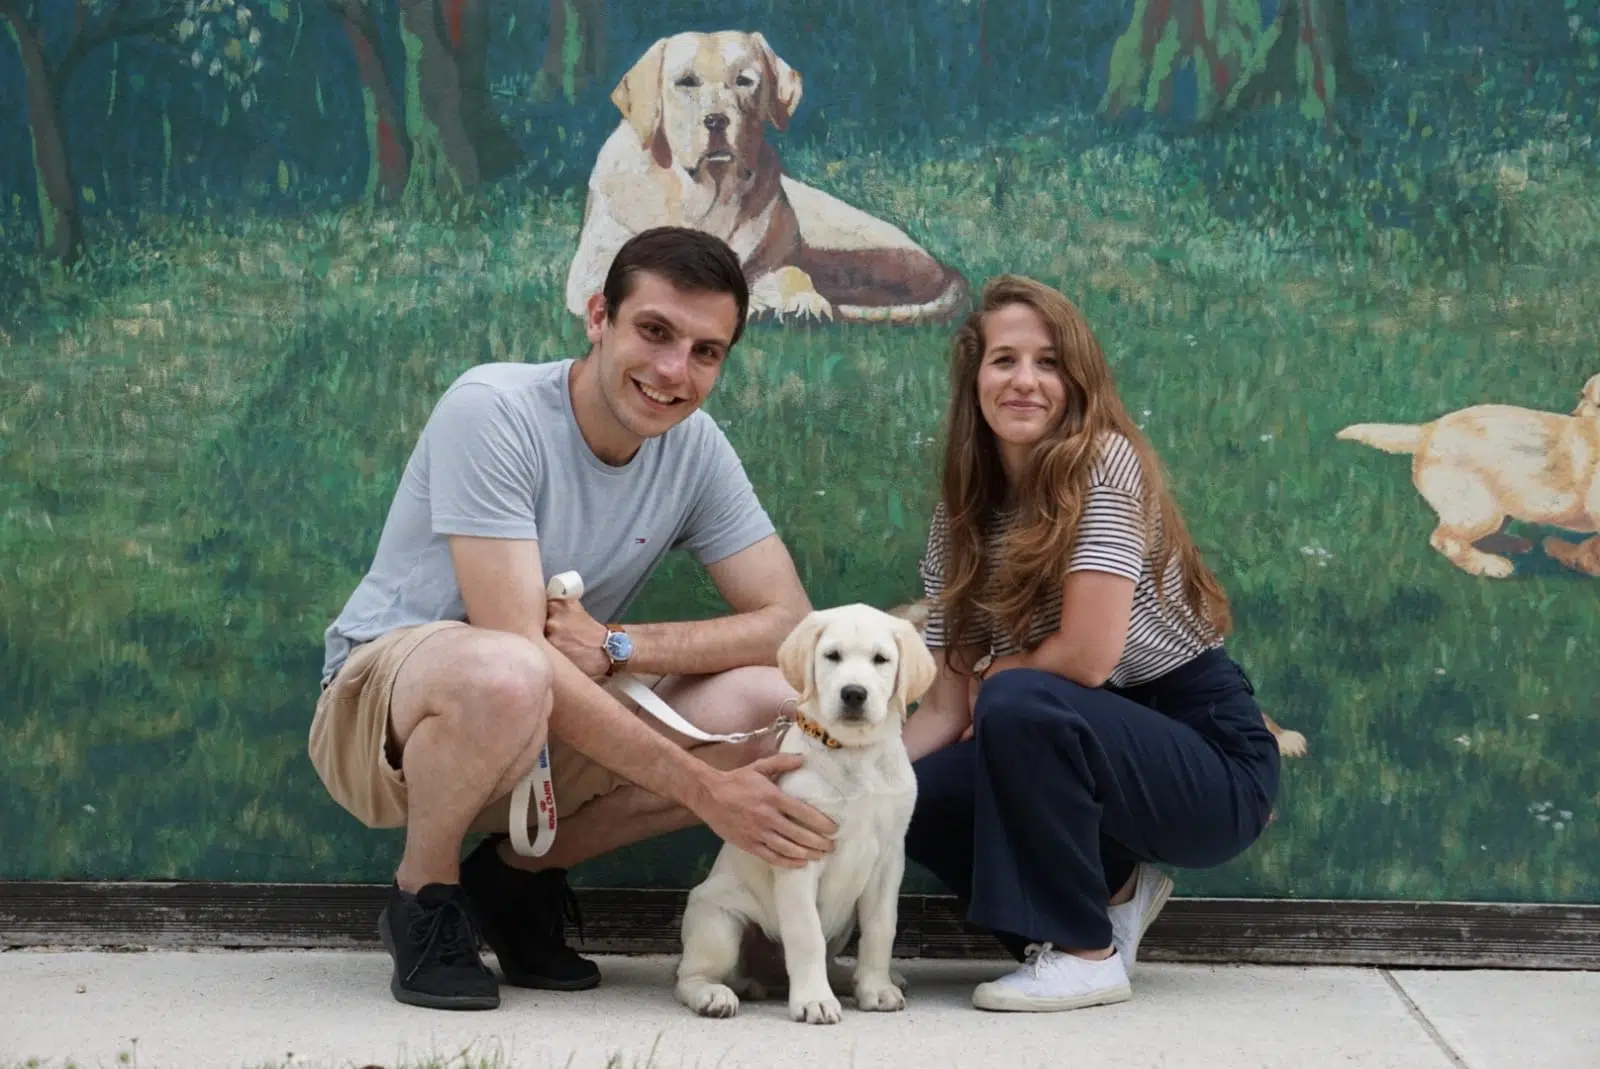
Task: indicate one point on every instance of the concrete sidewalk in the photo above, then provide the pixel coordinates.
(174, 1010)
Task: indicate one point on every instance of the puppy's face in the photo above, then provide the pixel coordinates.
(856, 669)
(701, 100)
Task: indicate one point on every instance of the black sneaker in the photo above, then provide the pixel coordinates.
(435, 950)
(522, 915)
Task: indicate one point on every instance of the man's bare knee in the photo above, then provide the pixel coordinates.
(759, 696)
(738, 700)
(492, 690)
(733, 702)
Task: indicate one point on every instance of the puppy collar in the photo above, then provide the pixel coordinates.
(815, 730)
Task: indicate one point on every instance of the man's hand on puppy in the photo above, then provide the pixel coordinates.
(746, 808)
(579, 636)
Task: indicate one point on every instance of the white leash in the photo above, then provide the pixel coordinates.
(570, 585)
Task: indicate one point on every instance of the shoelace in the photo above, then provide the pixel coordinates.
(552, 910)
(1035, 955)
(569, 908)
(446, 934)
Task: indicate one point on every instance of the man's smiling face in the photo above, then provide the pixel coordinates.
(658, 358)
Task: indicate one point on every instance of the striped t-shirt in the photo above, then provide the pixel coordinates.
(1110, 538)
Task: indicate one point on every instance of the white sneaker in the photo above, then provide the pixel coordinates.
(1129, 921)
(1050, 980)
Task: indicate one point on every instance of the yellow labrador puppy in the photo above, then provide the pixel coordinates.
(855, 668)
(691, 150)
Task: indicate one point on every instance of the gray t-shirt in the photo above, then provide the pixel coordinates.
(501, 456)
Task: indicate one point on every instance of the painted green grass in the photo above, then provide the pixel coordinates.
(201, 443)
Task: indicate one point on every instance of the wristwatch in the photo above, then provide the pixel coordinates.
(618, 647)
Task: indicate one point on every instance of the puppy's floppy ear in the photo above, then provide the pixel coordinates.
(638, 95)
(782, 86)
(916, 671)
(796, 657)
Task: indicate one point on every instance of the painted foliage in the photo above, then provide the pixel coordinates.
(246, 244)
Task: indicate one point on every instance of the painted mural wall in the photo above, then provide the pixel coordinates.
(1344, 256)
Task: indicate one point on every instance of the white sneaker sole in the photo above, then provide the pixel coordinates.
(1003, 999)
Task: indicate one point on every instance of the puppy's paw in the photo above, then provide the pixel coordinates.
(1498, 568)
(807, 305)
(884, 998)
(788, 291)
(1292, 744)
(842, 977)
(713, 1000)
(820, 1010)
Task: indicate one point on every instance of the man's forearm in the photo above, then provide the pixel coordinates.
(593, 722)
(703, 647)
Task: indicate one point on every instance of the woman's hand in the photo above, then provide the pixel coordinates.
(1009, 661)
(944, 715)
(997, 664)
(972, 707)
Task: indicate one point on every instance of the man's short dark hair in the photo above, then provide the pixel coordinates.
(689, 259)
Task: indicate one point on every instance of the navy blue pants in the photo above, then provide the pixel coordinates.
(1042, 815)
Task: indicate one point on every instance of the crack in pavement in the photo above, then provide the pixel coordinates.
(1422, 1019)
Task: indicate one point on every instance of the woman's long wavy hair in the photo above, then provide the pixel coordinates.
(1049, 498)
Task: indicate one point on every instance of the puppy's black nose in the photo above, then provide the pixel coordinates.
(854, 695)
(716, 122)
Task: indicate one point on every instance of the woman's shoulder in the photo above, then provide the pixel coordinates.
(1117, 464)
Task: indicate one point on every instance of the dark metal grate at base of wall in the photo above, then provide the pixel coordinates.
(630, 921)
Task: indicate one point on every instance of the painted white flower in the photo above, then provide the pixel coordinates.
(1317, 553)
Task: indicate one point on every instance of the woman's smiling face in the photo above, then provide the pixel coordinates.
(1020, 389)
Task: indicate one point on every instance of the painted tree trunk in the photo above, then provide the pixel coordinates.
(574, 51)
(385, 148)
(1218, 36)
(1238, 66)
(444, 164)
(466, 24)
(1304, 55)
(60, 225)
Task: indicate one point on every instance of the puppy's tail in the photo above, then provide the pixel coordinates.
(951, 302)
(1389, 437)
(915, 612)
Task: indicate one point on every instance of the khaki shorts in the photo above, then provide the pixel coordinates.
(349, 742)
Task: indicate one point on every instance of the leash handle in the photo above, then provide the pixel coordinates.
(537, 788)
(565, 585)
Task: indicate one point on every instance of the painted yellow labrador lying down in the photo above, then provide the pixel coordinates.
(691, 150)
(855, 669)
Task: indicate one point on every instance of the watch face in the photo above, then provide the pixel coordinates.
(619, 646)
